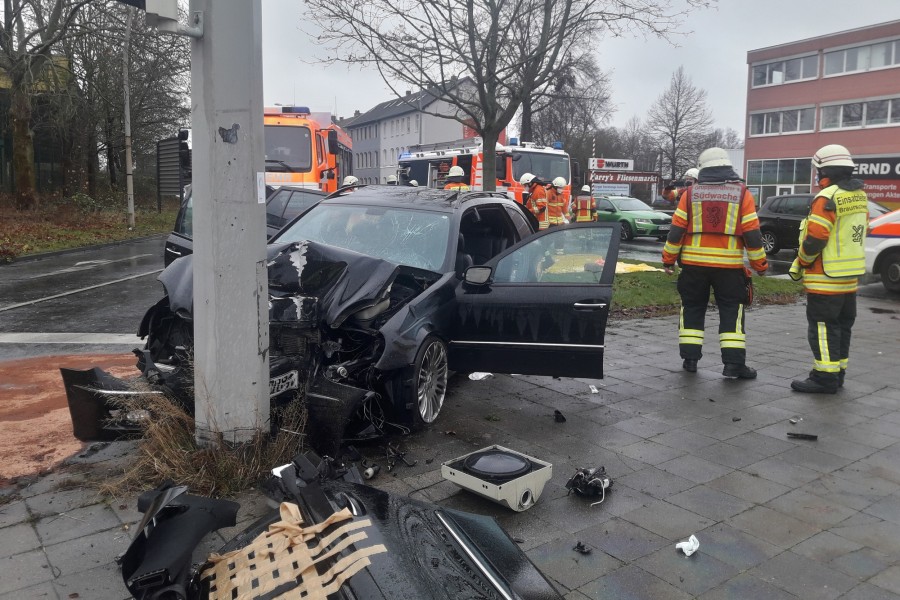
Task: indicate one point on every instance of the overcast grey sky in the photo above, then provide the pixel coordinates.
(713, 50)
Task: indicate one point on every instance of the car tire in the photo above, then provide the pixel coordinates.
(890, 272)
(627, 233)
(770, 242)
(428, 382)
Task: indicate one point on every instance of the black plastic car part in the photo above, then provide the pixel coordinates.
(157, 564)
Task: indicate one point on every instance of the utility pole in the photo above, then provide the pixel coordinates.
(129, 166)
(231, 322)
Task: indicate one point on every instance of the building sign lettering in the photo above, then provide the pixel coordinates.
(610, 164)
(630, 178)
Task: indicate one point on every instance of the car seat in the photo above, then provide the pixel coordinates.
(463, 260)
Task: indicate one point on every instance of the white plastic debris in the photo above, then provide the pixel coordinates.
(688, 547)
(594, 389)
(479, 376)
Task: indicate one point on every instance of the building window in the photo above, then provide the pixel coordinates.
(863, 58)
(786, 71)
(767, 177)
(861, 114)
(794, 120)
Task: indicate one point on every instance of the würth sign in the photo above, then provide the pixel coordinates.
(610, 164)
(615, 177)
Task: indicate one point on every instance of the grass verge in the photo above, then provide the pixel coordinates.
(653, 293)
(59, 226)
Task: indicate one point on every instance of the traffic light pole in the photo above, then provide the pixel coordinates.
(231, 327)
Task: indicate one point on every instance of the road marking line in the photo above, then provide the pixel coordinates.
(90, 287)
(70, 338)
(84, 266)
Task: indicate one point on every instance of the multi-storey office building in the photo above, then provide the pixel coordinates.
(841, 88)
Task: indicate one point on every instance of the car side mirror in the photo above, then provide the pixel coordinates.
(609, 210)
(478, 275)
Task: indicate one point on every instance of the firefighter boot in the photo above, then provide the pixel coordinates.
(689, 365)
(841, 377)
(738, 371)
(817, 383)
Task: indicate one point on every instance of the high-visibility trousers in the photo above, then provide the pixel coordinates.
(729, 288)
(830, 318)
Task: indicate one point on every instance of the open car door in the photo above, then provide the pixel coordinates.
(539, 308)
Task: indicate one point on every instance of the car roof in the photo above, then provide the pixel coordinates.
(406, 196)
(298, 188)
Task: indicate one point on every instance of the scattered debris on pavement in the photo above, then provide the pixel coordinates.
(479, 376)
(688, 547)
(581, 548)
(506, 476)
(591, 483)
(802, 436)
(392, 453)
(594, 389)
(735, 419)
(795, 420)
(559, 417)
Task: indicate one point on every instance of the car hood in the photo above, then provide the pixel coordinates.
(645, 214)
(343, 281)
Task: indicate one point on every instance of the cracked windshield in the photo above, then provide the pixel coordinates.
(415, 238)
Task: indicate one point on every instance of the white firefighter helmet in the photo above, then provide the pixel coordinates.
(713, 157)
(350, 180)
(586, 189)
(456, 171)
(526, 178)
(559, 182)
(391, 179)
(691, 173)
(413, 183)
(832, 155)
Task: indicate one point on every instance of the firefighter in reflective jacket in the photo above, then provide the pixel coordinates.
(557, 207)
(456, 179)
(537, 198)
(585, 206)
(714, 222)
(830, 260)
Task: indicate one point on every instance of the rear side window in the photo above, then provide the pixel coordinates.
(275, 208)
(774, 205)
(184, 225)
(298, 203)
(796, 206)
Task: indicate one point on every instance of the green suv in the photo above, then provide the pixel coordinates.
(636, 217)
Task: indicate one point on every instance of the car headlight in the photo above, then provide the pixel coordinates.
(643, 221)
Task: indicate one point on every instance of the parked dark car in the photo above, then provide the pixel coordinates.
(780, 217)
(377, 293)
(282, 205)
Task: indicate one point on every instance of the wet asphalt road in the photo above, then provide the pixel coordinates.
(107, 290)
(102, 290)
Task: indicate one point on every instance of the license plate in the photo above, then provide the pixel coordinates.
(283, 383)
(663, 227)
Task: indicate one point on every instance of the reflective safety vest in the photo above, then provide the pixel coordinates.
(537, 204)
(556, 207)
(458, 186)
(584, 208)
(715, 208)
(844, 255)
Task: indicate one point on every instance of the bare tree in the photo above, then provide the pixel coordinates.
(158, 79)
(680, 121)
(575, 104)
(724, 138)
(505, 50)
(30, 33)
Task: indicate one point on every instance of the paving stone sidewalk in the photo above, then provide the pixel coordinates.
(689, 454)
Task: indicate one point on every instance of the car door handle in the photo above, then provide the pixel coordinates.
(589, 305)
(175, 252)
